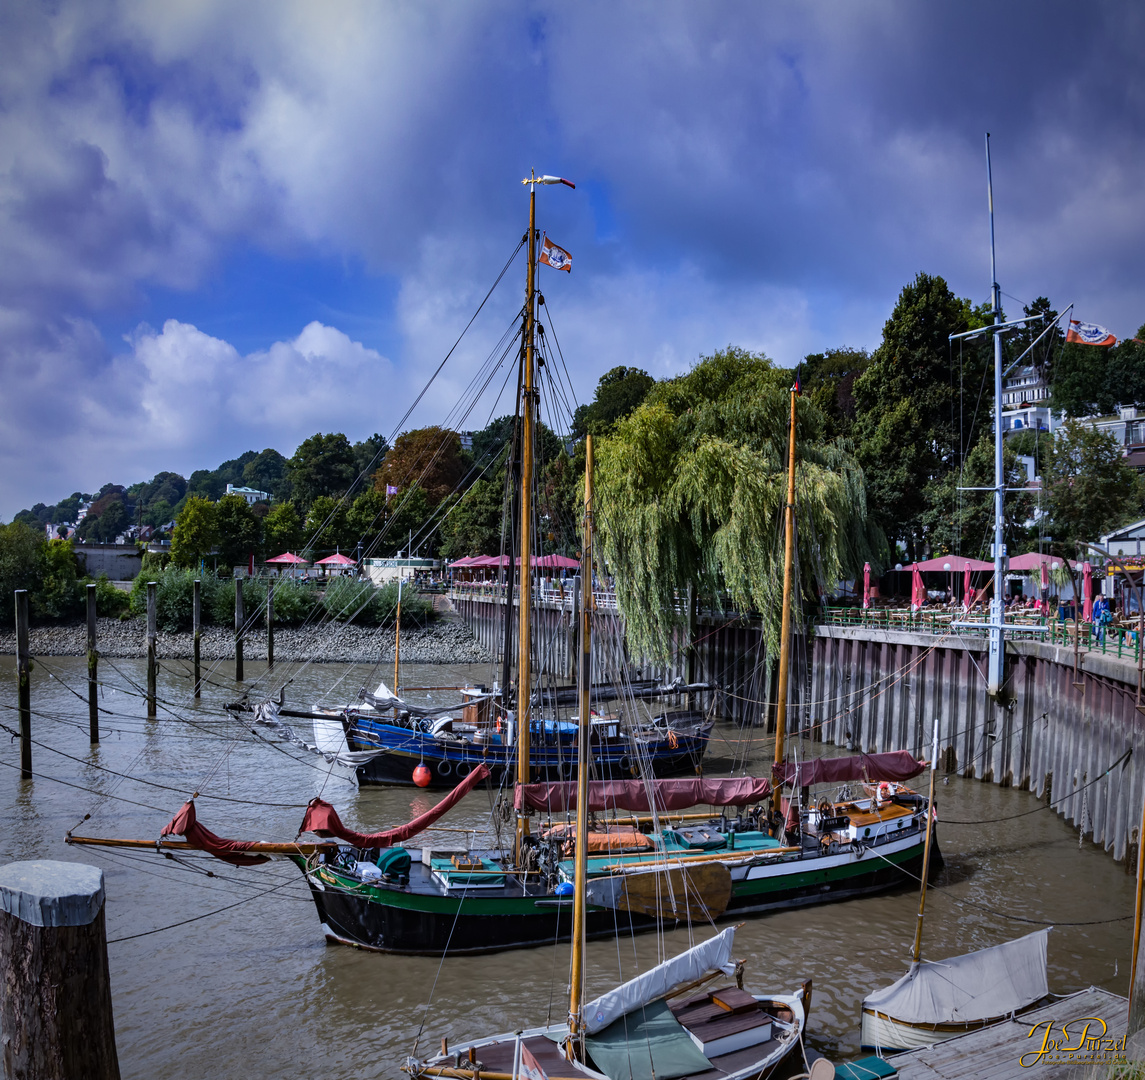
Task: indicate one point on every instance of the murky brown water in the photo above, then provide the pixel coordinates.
(255, 991)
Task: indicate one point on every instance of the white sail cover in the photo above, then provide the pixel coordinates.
(687, 967)
(978, 986)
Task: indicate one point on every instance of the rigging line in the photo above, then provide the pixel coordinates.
(196, 918)
(148, 783)
(88, 790)
(944, 891)
(1044, 806)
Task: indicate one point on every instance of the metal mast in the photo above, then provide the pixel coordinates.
(996, 663)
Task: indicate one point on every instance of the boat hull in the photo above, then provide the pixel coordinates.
(886, 1035)
(422, 921)
(403, 750)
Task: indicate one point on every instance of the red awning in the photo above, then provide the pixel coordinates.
(335, 560)
(895, 765)
(957, 564)
(288, 559)
(633, 794)
(1034, 560)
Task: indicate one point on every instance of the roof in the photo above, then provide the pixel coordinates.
(1133, 531)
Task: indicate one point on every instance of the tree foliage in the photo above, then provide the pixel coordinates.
(196, 532)
(1090, 488)
(240, 532)
(428, 458)
(322, 465)
(618, 392)
(282, 530)
(691, 489)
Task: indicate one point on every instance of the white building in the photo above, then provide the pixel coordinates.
(250, 494)
(1026, 402)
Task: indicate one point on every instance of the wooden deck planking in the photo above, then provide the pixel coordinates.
(994, 1051)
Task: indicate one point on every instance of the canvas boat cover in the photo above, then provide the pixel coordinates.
(384, 698)
(896, 765)
(651, 1044)
(712, 955)
(634, 795)
(981, 985)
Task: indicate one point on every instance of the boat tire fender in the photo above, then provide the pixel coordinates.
(464, 768)
(444, 767)
(625, 764)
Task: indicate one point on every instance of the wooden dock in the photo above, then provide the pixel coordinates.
(1053, 1042)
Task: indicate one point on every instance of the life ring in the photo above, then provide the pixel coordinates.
(444, 767)
(887, 791)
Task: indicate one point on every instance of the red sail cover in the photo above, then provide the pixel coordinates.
(895, 765)
(322, 818)
(633, 794)
(184, 824)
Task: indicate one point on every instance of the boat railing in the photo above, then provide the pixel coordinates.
(1121, 641)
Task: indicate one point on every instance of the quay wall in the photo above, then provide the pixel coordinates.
(1055, 731)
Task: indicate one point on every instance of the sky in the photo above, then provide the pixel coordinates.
(228, 226)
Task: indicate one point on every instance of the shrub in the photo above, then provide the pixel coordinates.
(110, 602)
(347, 600)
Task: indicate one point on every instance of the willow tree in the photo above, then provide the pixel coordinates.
(690, 490)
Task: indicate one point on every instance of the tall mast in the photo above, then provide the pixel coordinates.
(525, 591)
(926, 845)
(584, 685)
(996, 663)
(785, 631)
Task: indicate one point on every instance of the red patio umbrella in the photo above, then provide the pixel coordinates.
(337, 559)
(1087, 591)
(966, 597)
(917, 590)
(287, 559)
(866, 585)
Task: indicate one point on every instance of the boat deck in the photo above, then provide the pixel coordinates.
(1093, 1021)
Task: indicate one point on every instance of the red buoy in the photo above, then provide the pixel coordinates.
(421, 776)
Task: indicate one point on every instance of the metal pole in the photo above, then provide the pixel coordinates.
(196, 631)
(997, 658)
(152, 637)
(240, 618)
(24, 671)
(92, 668)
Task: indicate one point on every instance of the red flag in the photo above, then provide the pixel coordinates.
(1088, 333)
(554, 256)
(530, 1067)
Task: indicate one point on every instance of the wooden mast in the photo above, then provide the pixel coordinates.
(398, 638)
(785, 632)
(926, 847)
(524, 592)
(584, 686)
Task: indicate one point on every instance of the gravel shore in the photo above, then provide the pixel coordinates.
(445, 641)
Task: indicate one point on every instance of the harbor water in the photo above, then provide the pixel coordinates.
(222, 972)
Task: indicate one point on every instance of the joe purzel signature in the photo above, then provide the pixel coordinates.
(1085, 1039)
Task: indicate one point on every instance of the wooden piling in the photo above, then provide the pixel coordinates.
(152, 641)
(240, 618)
(55, 1012)
(92, 668)
(270, 624)
(197, 631)
(24, 673)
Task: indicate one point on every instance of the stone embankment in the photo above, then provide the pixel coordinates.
(445, 641)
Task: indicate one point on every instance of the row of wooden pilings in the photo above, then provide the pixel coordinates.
(24, 657)
(1056, 730)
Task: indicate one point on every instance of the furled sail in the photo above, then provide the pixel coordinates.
(675, 794)
(322, 818)
(895, 765)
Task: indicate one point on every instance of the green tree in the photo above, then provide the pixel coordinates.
(240, 532)
(57, 596)
(1081, 381)
(1125, 373)
(691, 487)
(322, 465)
(366, 519)
(618, 392)
(368, 455)
(410, 518)
(20, 564)
(1089, 487)
(908, 429)
(196, 532)
(962, 521)
(282, 529)
(828, 379)
(327, 528)
(474, 524)
(267, 472)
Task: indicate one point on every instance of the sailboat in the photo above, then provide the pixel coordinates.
(655, 858)
(670, 1021)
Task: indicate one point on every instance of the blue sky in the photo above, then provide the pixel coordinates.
(225, 227)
